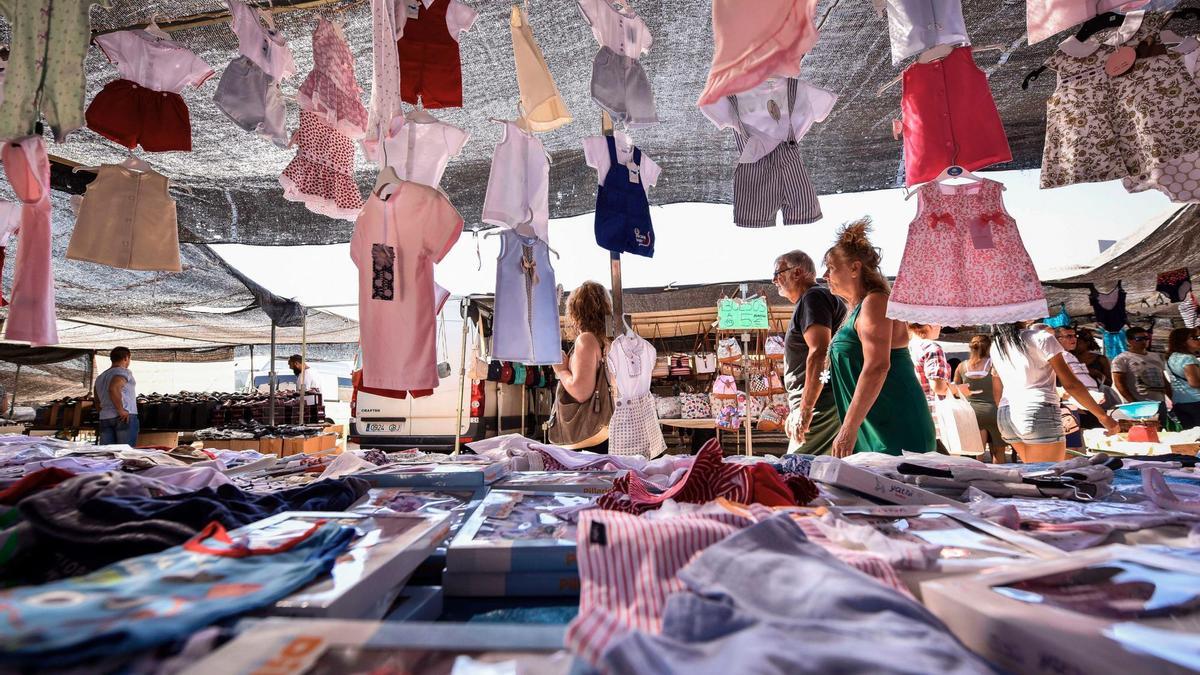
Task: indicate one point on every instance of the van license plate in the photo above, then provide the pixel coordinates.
(384, 427)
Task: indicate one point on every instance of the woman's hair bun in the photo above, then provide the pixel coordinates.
(852, 241)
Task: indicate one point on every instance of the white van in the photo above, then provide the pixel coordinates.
(428, 422)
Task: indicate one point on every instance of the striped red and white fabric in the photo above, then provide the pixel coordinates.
(628, 565)
(709, 477)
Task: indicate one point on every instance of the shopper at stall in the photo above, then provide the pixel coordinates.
(583, 393)
(1183, 370)
(929, 359)
(116, 392)
(874, 384)
(978, 379)
(306, 378)
(1087, 350)
(1139, 374)
(1029, 364)
(813, 420)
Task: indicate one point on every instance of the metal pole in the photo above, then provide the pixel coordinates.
(250, 383)
(303, 361)
(462, 378)
(12, 405)
(271, 403)
(746, 372)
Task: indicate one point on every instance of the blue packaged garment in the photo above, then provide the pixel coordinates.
(153, 599)
(1115, 343)
(1061, 319)
(622, 210)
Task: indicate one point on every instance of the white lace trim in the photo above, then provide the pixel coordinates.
(968, 316)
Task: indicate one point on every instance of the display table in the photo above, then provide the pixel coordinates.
(706, 423)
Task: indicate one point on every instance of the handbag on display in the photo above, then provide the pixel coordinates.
(493, 371)
(704, 360)
(728, 417)
(725, 387)
(668, 407)
(478, 369)
(694, 406)
(662, 366)
(770, 419)
(575, 422)
(681, 364)
(775, 347)
(518, 373)
(760, 384)
(729, 350)
(507, 373)
(775, 383)
(756, 405)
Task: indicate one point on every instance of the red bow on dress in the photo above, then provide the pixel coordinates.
(995, 218)
(944, 218)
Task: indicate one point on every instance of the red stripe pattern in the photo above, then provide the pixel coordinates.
(708, 478)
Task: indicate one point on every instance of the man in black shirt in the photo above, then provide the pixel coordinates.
(813, 422)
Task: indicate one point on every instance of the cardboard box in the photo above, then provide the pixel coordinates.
(167, 439)
(1022, 617)
(308, 445)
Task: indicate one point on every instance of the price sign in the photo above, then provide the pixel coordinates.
(738, 314)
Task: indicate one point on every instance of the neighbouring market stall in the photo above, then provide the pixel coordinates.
(223, 557)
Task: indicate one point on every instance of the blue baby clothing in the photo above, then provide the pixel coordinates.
(750, 596)
(153, 599)
(525, 328)
(1115, 343)
(622, 210)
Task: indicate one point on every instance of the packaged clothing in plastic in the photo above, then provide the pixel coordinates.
(397, 239)
(988, 276)
(127, 220)
(950, 118)
(150, 600)
(526, 327)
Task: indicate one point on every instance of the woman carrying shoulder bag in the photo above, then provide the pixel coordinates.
(583, 405)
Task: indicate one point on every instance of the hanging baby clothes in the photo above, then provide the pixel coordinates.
(1060, 320)
(1101, 128)
(1189, 311)
(419, 150)
(1109, 308)
(1115, 343)
(964, 262)
(1176, 177)
(770, 173)
(917, 25)
(619, 84)
(10, 221)
(950, 118)
(634, 427)
(1044, 18)
(518, 189)
(622, 211)
(249, 88)
(395, 244)
(430, 65)
(321, 176)
(144, 106)
(525, 328)
(751, 46)
(48, 45)
(127, 220)
(543, 107)
(387, 21)
(31, 308)
(1176, 284)
(331, 90)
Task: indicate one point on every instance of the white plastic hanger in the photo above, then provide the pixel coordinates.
(495, 232)
(948, 174)
(154, 30)
(135, 163)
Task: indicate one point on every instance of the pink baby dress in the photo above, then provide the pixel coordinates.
(31, 309)
(331, 91)
(964, 262)
(321, 176)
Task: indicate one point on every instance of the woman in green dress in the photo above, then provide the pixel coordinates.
(880, 401)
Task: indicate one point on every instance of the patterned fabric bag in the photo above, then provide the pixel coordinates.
(759, 384)
(681, 364)
(774, 347)
(775, 383)
(770, 419)
(662, 367)
(694, 406)
(728, 417)
(668, 407)
(724, 386)
(729, 350)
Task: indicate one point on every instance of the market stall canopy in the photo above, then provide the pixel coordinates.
(227, 186)
(1136, 261)
(206, 305)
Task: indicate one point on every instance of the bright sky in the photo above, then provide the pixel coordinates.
(698, 243)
